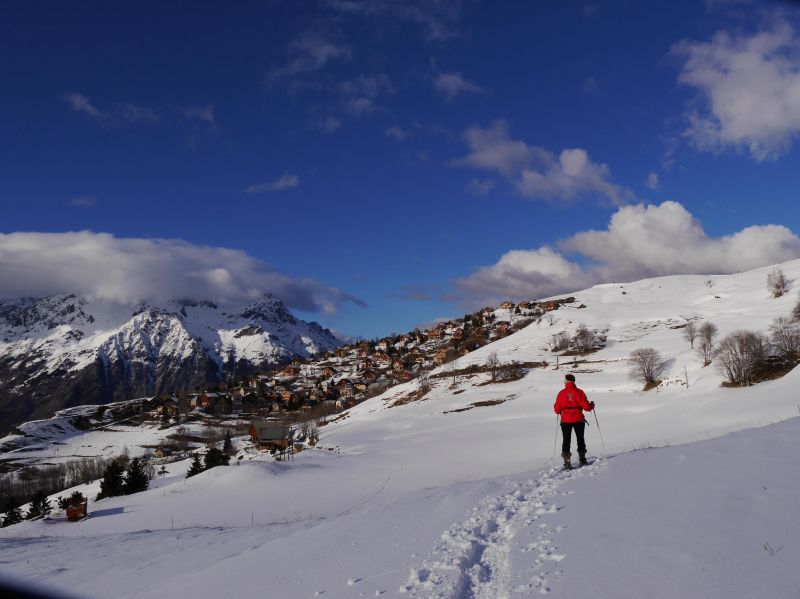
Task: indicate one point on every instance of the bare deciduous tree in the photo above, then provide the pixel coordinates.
(796, 312)
(583, 339)
(492, 363)
(785, 336)
(424, 383)
(560, 341)
(690, 332)
(777, 283)
(741, 354)
(706, 333)
(647, 366)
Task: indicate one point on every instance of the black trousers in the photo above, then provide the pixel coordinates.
(566, 433)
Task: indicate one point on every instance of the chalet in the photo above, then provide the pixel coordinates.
(287, 395)
(363, 345)
(479, 332)
(290, 371)
(328, 372)
(363, 352)
(403, 375)
(382, 358)
(421, 359)
(502, 327)
(434, 333)
(163, 451)
(347, 391)
(525, 306)
(507, 305)
(364, 364)
(383, 345)
(361, 386)
(270, 435)
(342, 352)
(458, 333)
(548, 306)
(486, 311)
(369, 375)
(398, 364)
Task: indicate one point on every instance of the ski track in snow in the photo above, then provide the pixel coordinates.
(473, 559)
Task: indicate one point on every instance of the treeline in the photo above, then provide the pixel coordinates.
(20, 488)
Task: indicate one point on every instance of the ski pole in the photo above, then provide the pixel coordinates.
(555, 441)
(605, 453)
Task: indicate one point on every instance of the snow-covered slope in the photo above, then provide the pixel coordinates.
(63, 350)
(456, 494)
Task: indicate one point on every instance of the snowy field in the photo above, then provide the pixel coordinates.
(423, 500)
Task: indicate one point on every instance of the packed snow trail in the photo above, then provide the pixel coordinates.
(475, 558)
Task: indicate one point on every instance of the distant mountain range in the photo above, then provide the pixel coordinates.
(63, 350)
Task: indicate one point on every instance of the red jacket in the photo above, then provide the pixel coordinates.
(570, 403)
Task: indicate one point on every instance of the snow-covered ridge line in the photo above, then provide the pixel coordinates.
(61, 349)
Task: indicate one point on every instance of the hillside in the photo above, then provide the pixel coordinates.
(64, 350)
(453, 493)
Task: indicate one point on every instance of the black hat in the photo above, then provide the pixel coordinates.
(569, 377)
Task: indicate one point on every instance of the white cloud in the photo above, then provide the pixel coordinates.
(129, 271)
(359, 95)
(285, 181)
(652, 180)
(136, 114)
(200, 113)
(397, 133)
(453, 84)
(84, 201)
(749, 88)
(480, 187)
(81, 103)
(538, 173)
(310, 52)
(640, 241)
(329, 124)
(125, 111)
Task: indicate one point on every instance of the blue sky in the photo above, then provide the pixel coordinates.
(382, 164)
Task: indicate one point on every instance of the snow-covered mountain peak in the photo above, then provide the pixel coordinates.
(75, 350)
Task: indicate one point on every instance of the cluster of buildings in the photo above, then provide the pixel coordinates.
(340, 379)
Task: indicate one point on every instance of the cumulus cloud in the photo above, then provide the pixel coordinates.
(538, 173)
(452, 84)
(749, 90)
(285, 181)
(640, 241)
(129, 271)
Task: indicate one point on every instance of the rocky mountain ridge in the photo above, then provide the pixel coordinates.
(65, 350)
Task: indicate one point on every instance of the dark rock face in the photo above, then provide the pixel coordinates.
(55, 353)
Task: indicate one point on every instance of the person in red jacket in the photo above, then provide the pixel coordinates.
(570, 404)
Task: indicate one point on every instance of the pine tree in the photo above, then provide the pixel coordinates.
(40, 506)
(215, 457)
(196, 467)
(227, 446)
(135, 478)
(13, 513)
(112, 483)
